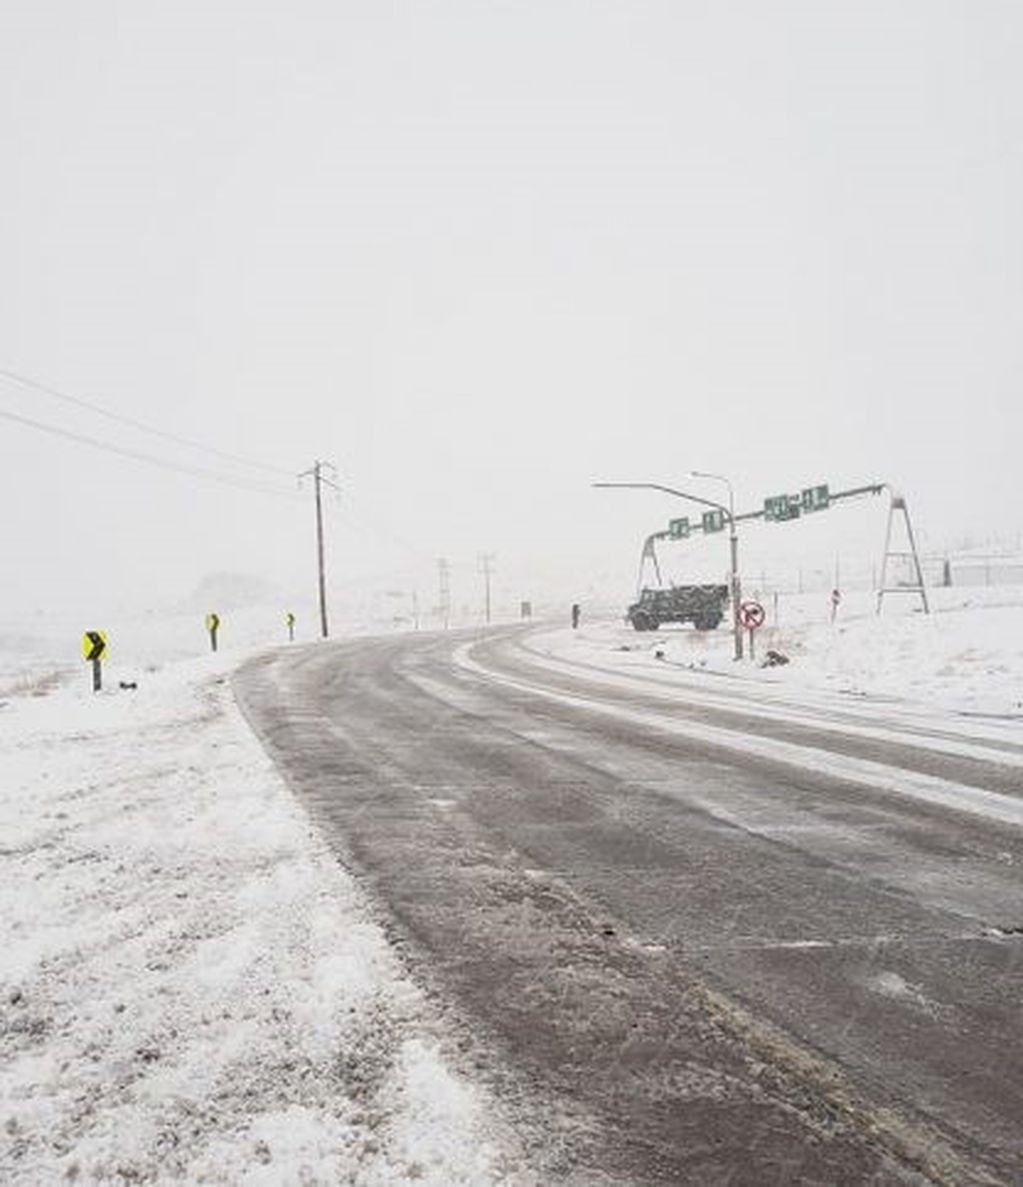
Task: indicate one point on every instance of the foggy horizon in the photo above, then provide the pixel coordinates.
(481, 257)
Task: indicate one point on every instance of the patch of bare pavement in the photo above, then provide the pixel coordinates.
(675, 960)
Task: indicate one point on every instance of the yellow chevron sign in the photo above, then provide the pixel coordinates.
(94, 645)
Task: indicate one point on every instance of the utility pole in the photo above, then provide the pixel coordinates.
(485, 561)
(444, 581)
(318, 481)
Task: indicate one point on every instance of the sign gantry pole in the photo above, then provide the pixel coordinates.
(649, 553)
(733, 543)
(910, 554)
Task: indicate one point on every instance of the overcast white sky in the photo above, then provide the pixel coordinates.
(480, 254)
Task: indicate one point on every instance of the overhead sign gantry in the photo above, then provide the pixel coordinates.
(781, 508)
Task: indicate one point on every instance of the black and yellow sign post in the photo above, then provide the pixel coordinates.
(213, 625)
(94, 648)
(289, 618)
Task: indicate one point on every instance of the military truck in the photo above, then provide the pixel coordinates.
(702, 605)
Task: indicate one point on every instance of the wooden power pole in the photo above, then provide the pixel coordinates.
(317, 475)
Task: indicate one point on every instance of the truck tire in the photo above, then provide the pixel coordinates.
(707, 622)
(641, 621)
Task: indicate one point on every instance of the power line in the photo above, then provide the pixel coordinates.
(148, 458)
(78, 402)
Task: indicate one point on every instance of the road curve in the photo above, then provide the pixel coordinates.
(694, 939)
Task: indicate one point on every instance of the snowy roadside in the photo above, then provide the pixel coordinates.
(190, 987)
(966, 657)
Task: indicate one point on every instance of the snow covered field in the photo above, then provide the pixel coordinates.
(966, 656)
(190, 987)
(46, 651)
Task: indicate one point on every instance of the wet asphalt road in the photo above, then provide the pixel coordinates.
(677, 961)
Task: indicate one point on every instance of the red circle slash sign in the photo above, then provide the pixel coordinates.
(751, 615)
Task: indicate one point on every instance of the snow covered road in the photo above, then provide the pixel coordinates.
(711, 929)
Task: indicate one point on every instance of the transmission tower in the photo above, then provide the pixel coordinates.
(444, 585)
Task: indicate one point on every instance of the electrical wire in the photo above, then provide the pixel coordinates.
(78, 402)
(151, 459)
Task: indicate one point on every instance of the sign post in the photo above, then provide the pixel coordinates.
(213, 625)
(289, 618)
(94, 647)
(751, 615)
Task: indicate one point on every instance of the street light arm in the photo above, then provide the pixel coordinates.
(707, 474)
(719, 478)
(668, 490)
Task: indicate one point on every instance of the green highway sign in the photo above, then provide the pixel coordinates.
(713, 521)
(678, 529)
(816, 498)
(779, 507)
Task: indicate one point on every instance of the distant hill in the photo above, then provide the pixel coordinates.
(231, 591)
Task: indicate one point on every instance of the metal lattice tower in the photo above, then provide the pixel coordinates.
(444, 584)
(910, 554)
